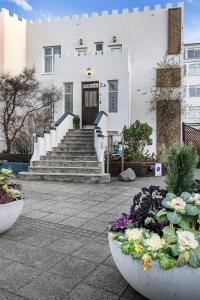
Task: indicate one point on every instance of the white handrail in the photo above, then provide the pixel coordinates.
(52, 137)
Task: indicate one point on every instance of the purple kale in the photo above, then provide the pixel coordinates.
(122, 223)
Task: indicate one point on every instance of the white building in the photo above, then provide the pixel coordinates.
(192, 83)
(101, 62)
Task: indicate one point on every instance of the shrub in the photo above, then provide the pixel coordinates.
(136, 138)
(181, 163)
(76, 120)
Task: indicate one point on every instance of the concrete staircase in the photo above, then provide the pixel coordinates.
(74, 160)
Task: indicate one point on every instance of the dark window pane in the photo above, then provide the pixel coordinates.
(99, 47)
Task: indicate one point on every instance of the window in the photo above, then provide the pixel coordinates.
(49, 53)
(185, 91)
(99, 47)
(194, 91)
(81, 51)
(113, 95)
(194, 70)
(193, 53)
(68, 88)
(185, 70)
(116, 49)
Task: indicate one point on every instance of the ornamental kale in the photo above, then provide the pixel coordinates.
(143, 212)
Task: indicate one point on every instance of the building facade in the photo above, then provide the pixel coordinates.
(192, 83)
(101, 62)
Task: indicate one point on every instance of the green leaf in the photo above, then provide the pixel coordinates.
(161, 213)
(125, 247)
(194, 259)
(169, 234)
(166, 262)
(166, 203)
(170, 196)
(185, 223)
(183, 258)
(192, 210)
(197, 236)
(135, 255)
(175, 250)
(187, 197)
(174, 217)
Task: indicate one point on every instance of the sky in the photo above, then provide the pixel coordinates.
(42, 9)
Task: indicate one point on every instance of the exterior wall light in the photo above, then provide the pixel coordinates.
(114, 39)
(81, 42)
(89, 72)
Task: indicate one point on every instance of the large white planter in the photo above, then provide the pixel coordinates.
(156, 284)
(9, 214)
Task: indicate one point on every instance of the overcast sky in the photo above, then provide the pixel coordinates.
(41, 9)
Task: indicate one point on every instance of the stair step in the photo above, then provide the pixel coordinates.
(64, 144)
(63, 177)
(54, 157)
(71, 153)
(81, 130)
(73, 149)
(68, 170)
(65, 163)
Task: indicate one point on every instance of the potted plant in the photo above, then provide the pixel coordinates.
(76, 122)
(11, 201)
(156, 246)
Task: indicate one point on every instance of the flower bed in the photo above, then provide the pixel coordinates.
(162, 229)
(11, 200)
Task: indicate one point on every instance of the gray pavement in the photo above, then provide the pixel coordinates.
(58, 249)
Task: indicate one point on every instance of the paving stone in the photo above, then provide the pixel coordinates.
(54, 218)
(5, 295)
(73, 268)
(47, 287)
(107, 278)
(65, 245)
(86, 292)
(18, 234)
(4, 262)
(129, 294)
(73, 221)
(16, 275)
(36, 257)
(36, 214)
(109, 262)
(93, 252)
(95, 225)
(40, 239)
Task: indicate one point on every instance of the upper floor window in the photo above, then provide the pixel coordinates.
(194, 91)
(49, 53)
(116, 49)
(81, 51)
(113, 96)
(194, 70)
(193, 53)
(99, 47)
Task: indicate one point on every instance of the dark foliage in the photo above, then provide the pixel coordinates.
(15, 186)
(142, 214)
(5, 197)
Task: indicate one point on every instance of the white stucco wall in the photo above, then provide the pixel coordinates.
(144, 39)
(12, 43)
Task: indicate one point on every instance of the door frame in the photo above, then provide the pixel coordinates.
(89, 89)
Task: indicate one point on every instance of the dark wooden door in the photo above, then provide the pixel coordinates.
(90, 106)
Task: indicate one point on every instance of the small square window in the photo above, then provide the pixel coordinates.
(99, 47)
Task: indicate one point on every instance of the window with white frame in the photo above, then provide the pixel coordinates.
(99, 47)
(185, 91)
(194, 91)
(81, 51)
(194, 70)
(113, 96)
(68, 90)
(193, 53)
(116, 49)
(49, 53)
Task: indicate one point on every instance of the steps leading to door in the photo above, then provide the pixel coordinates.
(74, 160)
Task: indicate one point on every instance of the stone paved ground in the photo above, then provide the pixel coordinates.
(58, 249)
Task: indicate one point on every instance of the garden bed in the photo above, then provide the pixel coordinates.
(141, 168)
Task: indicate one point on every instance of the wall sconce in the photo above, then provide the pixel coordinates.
(81, 42)
(89, 72)
(114, 39)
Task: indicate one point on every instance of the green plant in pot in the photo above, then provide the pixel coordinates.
(76, 122)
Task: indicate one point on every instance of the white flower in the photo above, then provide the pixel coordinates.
(186, 240)
(178, 204)
(155, 242)
(6, 172)
(134, 234)
(15, 193)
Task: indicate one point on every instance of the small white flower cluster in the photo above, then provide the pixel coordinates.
(6, 172)
(155, 243)
(134, 234)
(186, 240)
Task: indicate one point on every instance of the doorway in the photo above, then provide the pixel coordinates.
(90, 102)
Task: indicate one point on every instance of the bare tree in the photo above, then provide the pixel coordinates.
(20, 96)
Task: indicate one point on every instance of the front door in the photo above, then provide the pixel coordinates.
(90, 106)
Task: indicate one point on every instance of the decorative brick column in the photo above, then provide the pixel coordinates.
(174, 30)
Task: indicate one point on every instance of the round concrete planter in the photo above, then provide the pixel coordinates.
(9, 214)
(155, 284)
